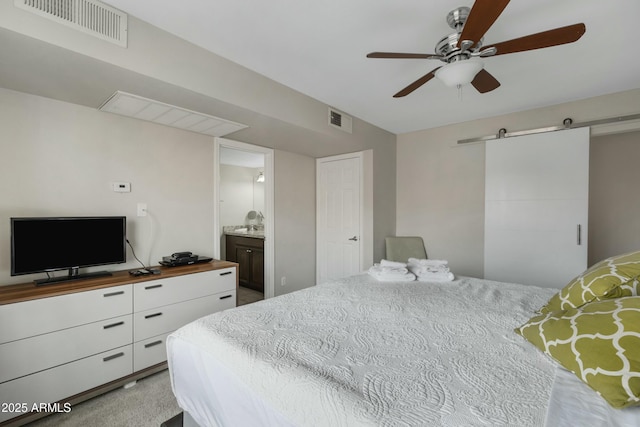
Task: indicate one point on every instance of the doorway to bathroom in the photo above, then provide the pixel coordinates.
(243, 215)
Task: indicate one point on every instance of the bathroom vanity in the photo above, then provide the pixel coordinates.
(247, 249)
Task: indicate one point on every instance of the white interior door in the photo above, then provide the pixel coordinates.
(339, 201)
(536, 207)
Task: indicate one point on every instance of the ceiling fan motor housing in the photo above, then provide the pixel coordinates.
(457, 17)
(460, 49)
(447, 47)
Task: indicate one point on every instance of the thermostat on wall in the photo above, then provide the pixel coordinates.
(121, 187)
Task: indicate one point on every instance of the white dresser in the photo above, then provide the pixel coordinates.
(71, 341)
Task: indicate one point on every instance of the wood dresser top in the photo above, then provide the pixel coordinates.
(29, 291)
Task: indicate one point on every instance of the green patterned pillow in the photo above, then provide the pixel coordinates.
(614, 277)
(599, 343)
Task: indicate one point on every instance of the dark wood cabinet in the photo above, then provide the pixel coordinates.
(248, 252)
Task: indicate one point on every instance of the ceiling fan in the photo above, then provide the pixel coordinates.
(460, 50)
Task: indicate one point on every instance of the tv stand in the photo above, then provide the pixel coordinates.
(76, 340)
(73, 275)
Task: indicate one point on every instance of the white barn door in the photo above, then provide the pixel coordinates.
(338, 229)
(536, 208)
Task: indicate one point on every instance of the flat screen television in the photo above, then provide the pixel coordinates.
(47, 244)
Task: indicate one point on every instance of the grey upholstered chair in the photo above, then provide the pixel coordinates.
(402, 248)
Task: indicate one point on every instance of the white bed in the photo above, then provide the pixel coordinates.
(357, 352)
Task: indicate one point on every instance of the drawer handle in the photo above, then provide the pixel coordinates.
(112, 294)
(153, 286)
(149, 316)
(225, 273)
(151, 344)
(113, 325)
(249, 251)
(113, 356)
(226, 296)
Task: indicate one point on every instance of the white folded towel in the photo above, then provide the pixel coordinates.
(427, 262)
(419, 269)
(423, 266)
(387, 263)
(435, 277)
(409, 277)
(391, 274)
(430, 270)
(389, 271)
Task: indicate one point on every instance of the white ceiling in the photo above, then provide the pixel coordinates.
(230, 156)
(319, 49)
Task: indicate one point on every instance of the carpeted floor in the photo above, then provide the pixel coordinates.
(147, 404)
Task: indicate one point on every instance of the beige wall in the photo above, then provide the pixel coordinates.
(157, 63)
(59, 159)
(191, 77)
(440, 185)
(295, 221)
(614, 205)
(160, 55)
(440, 192)
(239, 194)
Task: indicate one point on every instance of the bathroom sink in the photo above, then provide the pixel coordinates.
(258, 234)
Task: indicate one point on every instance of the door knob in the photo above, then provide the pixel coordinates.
(354, 238)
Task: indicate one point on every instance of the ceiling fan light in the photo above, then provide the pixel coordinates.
(459, 73)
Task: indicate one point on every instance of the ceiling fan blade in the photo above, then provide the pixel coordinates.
(415, 85)
(558, 36)
(484, 82)
(481, 17)
(394, 55)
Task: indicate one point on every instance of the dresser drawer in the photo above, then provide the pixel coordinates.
(171, 317)
(22, 357)
(40, 316)
(64, 381)
(150, 352)
(157, 293)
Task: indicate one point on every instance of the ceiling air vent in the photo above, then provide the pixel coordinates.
(127, 104)
(340, 120)
(89, 16)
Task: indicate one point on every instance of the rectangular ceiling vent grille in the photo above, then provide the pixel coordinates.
(89, 16)
(138, 107)
(340, 120)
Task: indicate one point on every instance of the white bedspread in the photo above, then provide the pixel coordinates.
(361, 352)
(573, 403)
